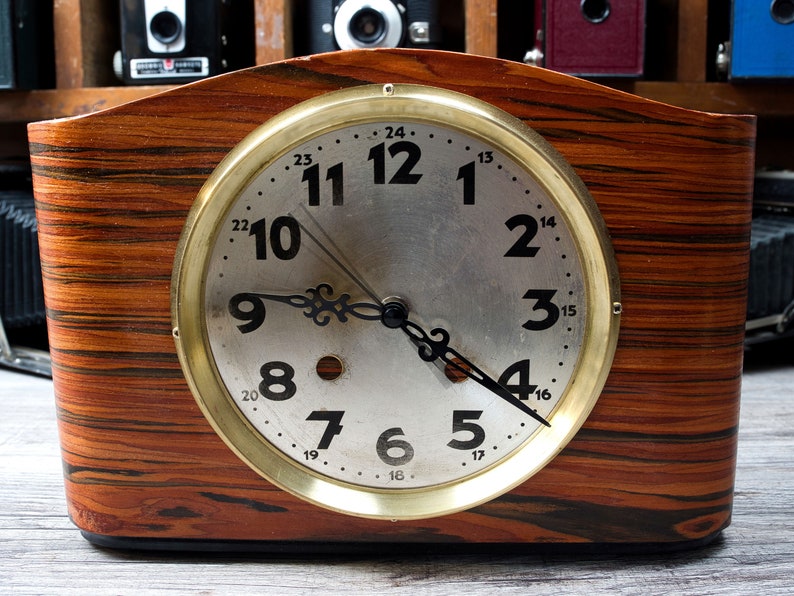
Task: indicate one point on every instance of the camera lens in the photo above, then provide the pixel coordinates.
(165, 27)
(367, 26)
(783, 11)
(595, 11)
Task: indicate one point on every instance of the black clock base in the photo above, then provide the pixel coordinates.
(352, 549)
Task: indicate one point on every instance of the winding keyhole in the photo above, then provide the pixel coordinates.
(330, 368)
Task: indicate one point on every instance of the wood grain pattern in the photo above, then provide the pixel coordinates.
(655, 461)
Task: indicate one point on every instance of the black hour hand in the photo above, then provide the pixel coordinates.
(395, 316)
(318, 304)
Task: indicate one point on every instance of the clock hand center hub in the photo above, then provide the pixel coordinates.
(394, 314)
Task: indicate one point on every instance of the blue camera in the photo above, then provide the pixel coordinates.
(762, 39)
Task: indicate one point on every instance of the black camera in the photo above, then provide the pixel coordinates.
(349, 24)
(27, 55)
(178, 41)
(770, 302)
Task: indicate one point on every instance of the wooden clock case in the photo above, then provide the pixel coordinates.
(653, 464)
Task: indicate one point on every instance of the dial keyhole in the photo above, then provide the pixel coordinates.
(330, 368)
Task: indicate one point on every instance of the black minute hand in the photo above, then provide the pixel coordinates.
(395, 315)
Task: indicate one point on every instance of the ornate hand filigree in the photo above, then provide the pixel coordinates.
(320, 306)
(431, 349)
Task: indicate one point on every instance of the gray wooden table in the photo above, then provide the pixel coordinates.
(41, 552)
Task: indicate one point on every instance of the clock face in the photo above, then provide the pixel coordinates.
(395, 302)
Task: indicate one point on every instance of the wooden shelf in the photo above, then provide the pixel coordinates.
(86, 34)
(45, 104)
(766, 100)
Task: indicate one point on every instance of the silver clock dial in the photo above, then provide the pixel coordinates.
(486, 261)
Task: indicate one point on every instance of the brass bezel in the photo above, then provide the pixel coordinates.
(408, 103)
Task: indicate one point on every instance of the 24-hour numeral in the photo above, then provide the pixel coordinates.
(250, 395)
(239, 225)
(392, 132)
(303, 159)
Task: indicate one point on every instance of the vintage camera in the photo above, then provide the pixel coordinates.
(770, 302)
(23, 338)
(590, 37)
(27, 58)
(167, 41)
(349, 24)
(762, 36)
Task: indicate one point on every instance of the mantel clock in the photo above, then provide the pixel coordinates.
(395, 297)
